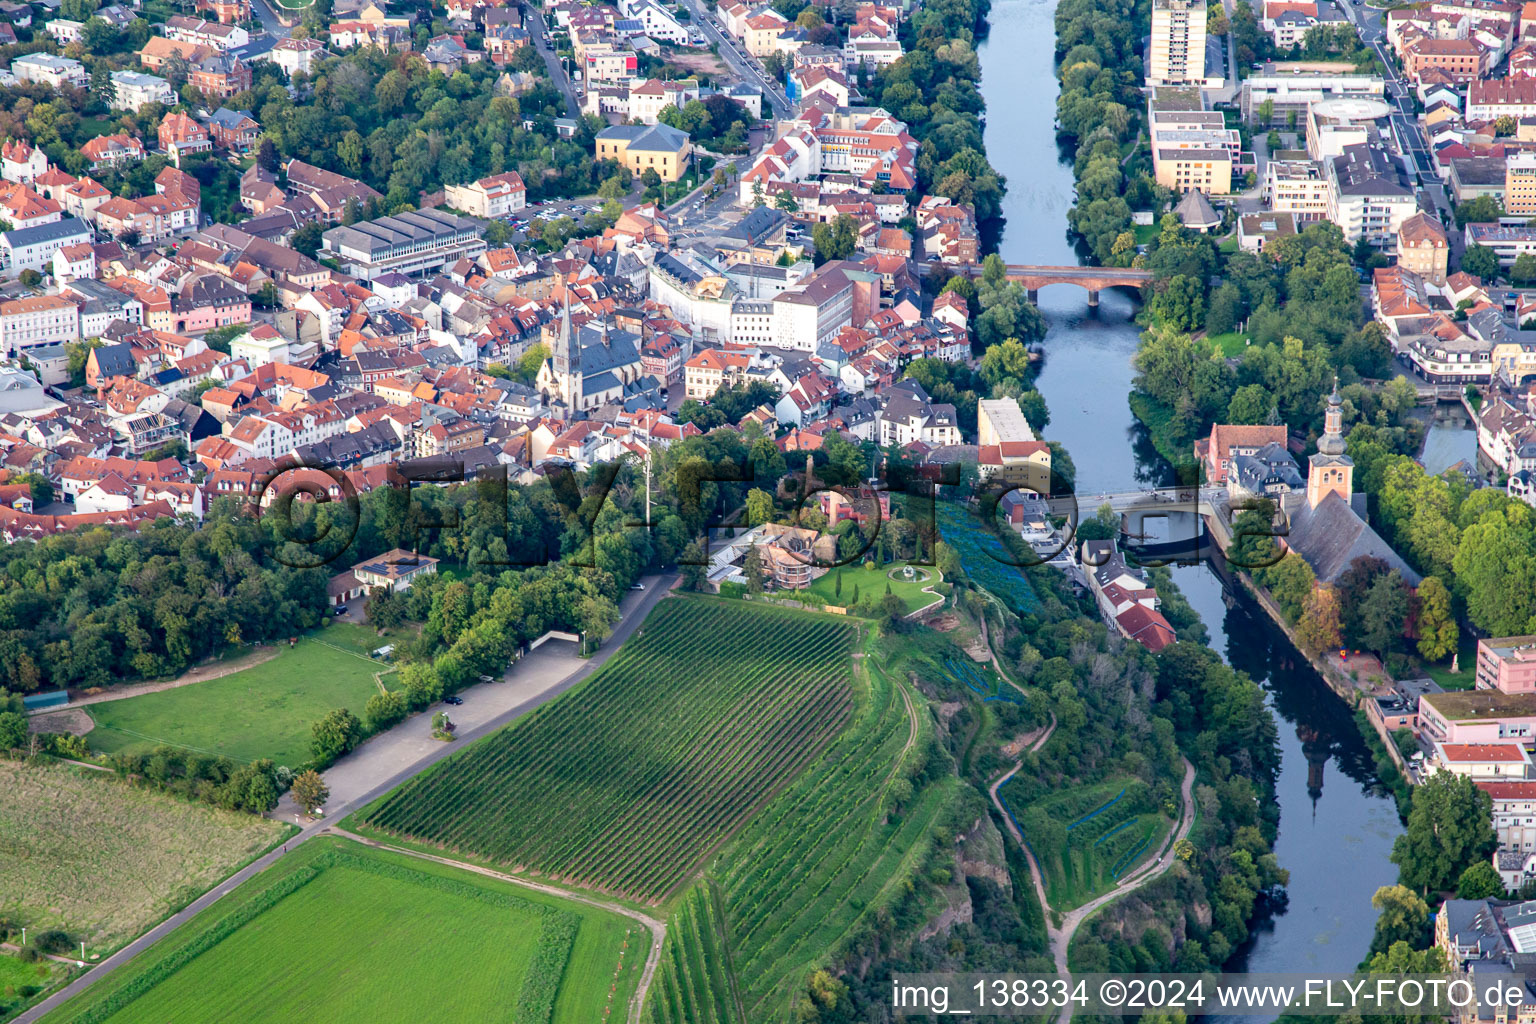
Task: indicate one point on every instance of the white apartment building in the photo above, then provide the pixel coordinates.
(658, 23)
(48, 69)
(497, 196)
(132, 89)
(647, 99)
(804, 317)
(1297, 187)
(36, 321)
(1367, 197)
(65, 30)
(1178, 42)
(32, 248)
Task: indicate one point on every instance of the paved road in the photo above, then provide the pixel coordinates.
(552, 62)
(268, 16)
(742, 64)
(635, 608)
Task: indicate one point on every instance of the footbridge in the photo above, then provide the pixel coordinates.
(1094, 279)
(1160, 501)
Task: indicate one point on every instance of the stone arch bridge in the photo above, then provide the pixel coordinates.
(1093, 279)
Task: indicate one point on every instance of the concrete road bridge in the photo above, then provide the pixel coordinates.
(1158, 501)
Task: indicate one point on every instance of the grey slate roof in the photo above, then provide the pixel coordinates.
(659, 138)
(1196, 211)
(1333, 535)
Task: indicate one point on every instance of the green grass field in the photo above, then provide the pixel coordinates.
(1466, 679)
(342, 933)
(1232, 344)
(1089, 837)
(827, 856)
(103, 860)
(871, 583)
(263, 711)
(21, 983)
(624, 784)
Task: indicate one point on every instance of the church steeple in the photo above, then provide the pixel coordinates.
(1332, 441)
(1331, 471)
(562, 352)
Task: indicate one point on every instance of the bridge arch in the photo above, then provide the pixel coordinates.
(1091, 279)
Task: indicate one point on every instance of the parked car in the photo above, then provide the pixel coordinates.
(453, 700)
(341, 611)
(637, 586)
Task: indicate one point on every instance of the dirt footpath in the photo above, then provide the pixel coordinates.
(197, 674)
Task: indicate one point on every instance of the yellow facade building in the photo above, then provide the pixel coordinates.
(658, 147)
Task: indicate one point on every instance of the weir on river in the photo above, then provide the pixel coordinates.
(1336, 823)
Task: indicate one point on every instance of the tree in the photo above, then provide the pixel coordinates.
(1448, 831)
(334, 735)
(759, 507)
(1524, 270)
(1290, 582)
(1480, 210)
(1318, 630)
(752, 568)
(266, 155)
(1480, 882)
(1495, 563)
(1437, 629)
(836, 239)
(384, 710)
(1384, 612)
(497, 233)
(1225, 305)
(1251, 404)
(785, 201)
(307, 239)
(1403, 917)
(1480, 261)
(309, 791)
(13, 730)
(530, 362)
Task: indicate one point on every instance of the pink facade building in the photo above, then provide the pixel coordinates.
(1507, 664)
(1478, 716)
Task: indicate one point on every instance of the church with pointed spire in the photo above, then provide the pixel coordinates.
(1330, 470)
(1327, 524)
(591, 366)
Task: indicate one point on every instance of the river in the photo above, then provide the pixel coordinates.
(1336, 824)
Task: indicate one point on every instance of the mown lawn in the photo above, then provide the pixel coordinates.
(1465, 679)
(342, 933)
(1232, 344)
(267, 710)
(104, 860)
(872, 581)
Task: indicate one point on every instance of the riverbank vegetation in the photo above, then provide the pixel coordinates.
(1099, 116)
(1300, 306)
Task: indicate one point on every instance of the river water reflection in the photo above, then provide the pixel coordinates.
(1336, 824)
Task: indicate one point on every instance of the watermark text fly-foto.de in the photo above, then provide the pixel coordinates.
(1046, 995)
